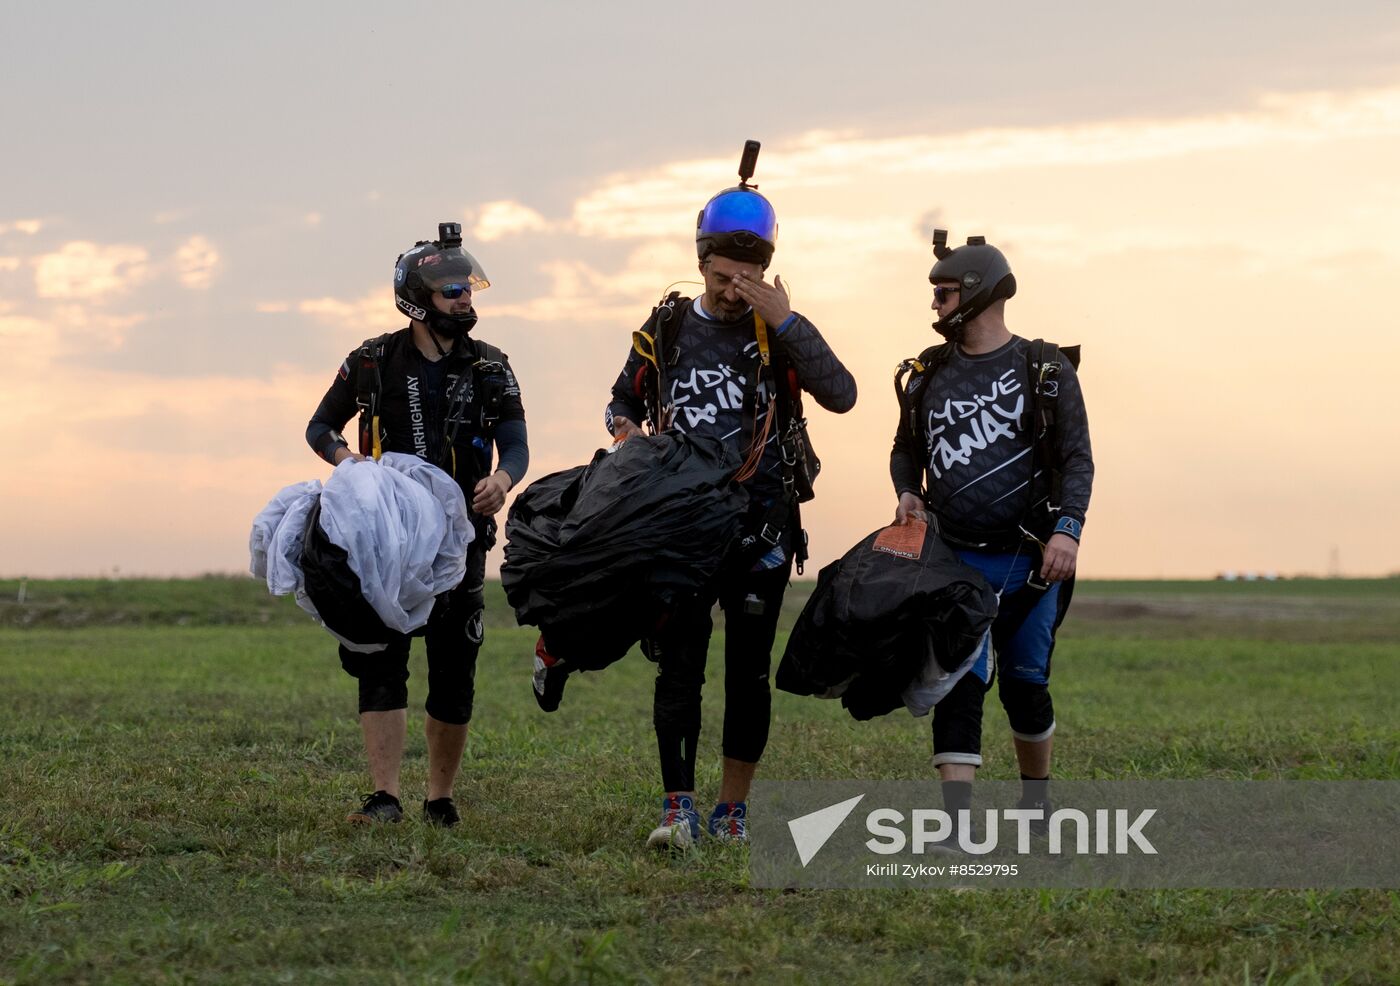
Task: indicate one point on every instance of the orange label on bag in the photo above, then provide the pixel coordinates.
(903, 540)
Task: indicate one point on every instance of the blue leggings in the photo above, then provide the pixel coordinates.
(1022, 641)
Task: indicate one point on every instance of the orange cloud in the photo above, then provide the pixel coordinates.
(89, 271)
(498, 219)
(27, 226)
(659, 202)
(195, 262)
(372, 312)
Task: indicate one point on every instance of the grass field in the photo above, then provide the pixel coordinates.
(178, 757)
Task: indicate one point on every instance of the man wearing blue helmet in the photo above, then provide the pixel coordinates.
(993, 448)
(731, 364)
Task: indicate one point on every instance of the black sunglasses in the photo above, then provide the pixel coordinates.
(454, 291)
(941, 293)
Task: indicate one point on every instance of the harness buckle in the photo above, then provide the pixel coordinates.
(1028, 536)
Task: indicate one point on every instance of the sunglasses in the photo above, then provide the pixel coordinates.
(454, 291)
(942, 294)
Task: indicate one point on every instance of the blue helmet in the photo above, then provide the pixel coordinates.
(738, 223)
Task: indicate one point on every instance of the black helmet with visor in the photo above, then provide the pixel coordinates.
(440, 265)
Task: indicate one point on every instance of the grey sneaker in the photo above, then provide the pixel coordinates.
(381, 806)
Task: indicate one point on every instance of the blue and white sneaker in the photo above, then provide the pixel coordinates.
(680, 824)
(729, 821)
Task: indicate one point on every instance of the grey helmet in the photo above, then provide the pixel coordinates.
(982, 273)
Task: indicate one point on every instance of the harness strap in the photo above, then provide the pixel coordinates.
(788, 397)
(910, 377)
(368, 384)
(644, 343)
(1043, 368)
(658, 356)
(488, 373)
(481, 382)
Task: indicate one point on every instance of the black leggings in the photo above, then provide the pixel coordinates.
(453, 637)
(681, 650)
(957, 719)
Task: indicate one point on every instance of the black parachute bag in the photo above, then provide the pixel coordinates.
(334, 588)
(879, 613)
(596, 555)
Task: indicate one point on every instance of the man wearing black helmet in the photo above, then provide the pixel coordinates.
(993, 448)
(432, 390)
(731, 364)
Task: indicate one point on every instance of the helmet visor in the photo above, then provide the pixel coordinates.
(456, 267)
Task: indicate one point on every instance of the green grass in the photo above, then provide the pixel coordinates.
(178, 758)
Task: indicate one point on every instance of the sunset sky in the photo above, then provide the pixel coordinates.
(200, 208)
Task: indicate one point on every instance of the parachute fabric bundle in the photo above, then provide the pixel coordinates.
(880, 614)
(596, 553)
(276, 541)
(368, 554)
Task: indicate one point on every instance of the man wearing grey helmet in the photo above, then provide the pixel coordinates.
(433, 390)
(993, 449)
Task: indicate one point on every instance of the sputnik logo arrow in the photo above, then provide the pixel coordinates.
(811, 832)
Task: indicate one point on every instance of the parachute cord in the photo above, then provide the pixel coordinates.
(760, 442)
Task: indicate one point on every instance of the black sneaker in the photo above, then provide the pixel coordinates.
(441, 812)
(381, 806)
(549, 679)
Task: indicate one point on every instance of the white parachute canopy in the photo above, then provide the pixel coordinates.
(402, 523)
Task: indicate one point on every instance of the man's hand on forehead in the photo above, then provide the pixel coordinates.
(769, 300)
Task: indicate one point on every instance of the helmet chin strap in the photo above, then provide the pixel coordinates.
(953, 328)
(449, 327)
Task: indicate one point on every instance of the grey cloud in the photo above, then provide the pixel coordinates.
(277, 105)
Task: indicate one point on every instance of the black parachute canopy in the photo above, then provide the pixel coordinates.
(597, 553)
(877, 615)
